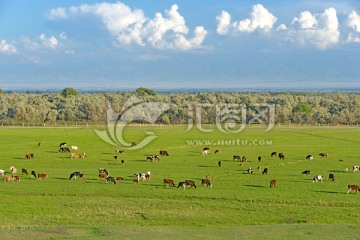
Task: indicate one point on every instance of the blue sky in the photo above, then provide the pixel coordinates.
(179, 44)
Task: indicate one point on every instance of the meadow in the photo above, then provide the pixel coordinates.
(238, 205)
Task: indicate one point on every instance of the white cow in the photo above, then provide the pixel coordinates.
(356, 168)
(74, 148)
(205, 151)
(2, 172)
(318, 178)
(13, 170)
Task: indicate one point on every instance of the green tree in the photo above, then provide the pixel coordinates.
(304, 108)
(69, 92)
(144, 92)
(2, 91)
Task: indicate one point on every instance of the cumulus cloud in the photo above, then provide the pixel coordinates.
(6, 47)
(319, 30)
(260, 19)
(132, 27)
(50, 42)
(354, 24)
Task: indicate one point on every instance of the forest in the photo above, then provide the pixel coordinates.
(70, 107)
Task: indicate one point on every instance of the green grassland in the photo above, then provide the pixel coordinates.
(239, 205)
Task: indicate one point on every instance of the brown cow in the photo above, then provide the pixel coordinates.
(16, 177)
(8, 179)
(207, 182)
(244, 159)
(281, 156)
(272, 183)
(119, 179)
(217, 151)
(74, 155)
(42, 176)
(190, 183)
(29, 156)
(136, 180)
(353, 187)
(24, 171)
(169, 182)
(103, 175)
(163, 153)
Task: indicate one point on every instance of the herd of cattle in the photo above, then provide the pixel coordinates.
(104, 174)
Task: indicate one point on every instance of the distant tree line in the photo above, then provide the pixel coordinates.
(71, 107)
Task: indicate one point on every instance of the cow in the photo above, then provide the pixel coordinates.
(62, 145)
(323, 154)
(217, 151)
(147, 175)
(281, 156)
(250, 171)
(265, 171)
(64, 150)
(103, 175)
(219, 163)
(74, 155)
(75, 148)
(356, 168)
(318, 178)
(24, 171)
(74, 175)
(169, 182)
(2, 172)
(191, 183)
(272, 183)
(119, 179)
(309, 157)
(117, 151)
(140, 175)
(103, 170)
(207, 182)
(8, 178)
(273, 154)
(259, 158)
(29, 156)
(259, 168)
(236, 157)
(42, 176)
(306, 172)
(39, 144)
(122, 162)
(115, 157)
(181, 185)
(163, 153)
(136, 181)
(33, 174)
(83, 155)
(353, 187)
(16, 178)
(205, 151)
(244, 159)
(133, 144)
(13, 170)
(331, 177)
(110, 180)
(152, 158)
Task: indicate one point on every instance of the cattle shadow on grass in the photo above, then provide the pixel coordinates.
(255, 186)
(331, 192)
(20, 158)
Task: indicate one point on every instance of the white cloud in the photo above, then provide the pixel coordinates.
(224, 21)
(56, 13)
(319, 30)
(281, 27)
(354, 23)
(6, 47)
(132, 27)
(50, 42)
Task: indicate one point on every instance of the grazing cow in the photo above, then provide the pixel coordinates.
(219, 163)
(13, 170)
(74, 175)
(136, 181)
(281, 156)
(42, 176)
(122, 162)
(331, 177)
(217, 151)
(110, 180)
(115, 157)
(147, 175)
(81, 175)
(346, 169)
(8, 179)
(181, 185)
(317, 178)
(356, 168)
(236, 157)
(273, 154)
(133, 144)
(259, 168)
(309, 157)
(29, 156)
(103, 170)
(24, 171)
(119, 179)
(169, 182)
(140, 175)
(205, 151)
(272, 183)
(265, 171)
(250, 171)
(75, 148)
(323, 154)
(39, 144)
(103, 175)
(259, 158)
(163, 153)
(74, 155)
(33, 174)
(191, 183)
(62, 145)
(16, 178)
(2, 172)
(353, 187)
(152, 158)
(64, 150)
(244, 159)
(117, 151)
(306, 172)
(208, 177)
(84, 155)
(207, 182)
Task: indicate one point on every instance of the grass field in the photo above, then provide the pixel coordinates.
(239, 205)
